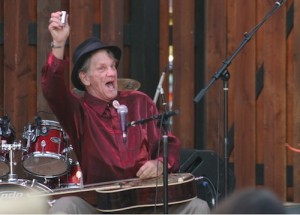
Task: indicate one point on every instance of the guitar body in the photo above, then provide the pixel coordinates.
(144, 193)
(133, 193)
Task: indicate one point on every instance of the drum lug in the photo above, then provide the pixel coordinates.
(12, 177)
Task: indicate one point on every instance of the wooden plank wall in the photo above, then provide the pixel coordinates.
(263, 86)
(262, 90)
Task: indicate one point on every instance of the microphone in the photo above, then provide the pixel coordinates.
(279, 2)
(159, 86)
(122, 111)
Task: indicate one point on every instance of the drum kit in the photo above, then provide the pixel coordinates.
(46, 158)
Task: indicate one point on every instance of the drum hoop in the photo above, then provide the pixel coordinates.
(24, 182)
(50, 128)
(46, 154)
(54, 125)
(71, 185)
(25, 167)
(50, 122)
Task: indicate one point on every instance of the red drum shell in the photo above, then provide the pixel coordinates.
(74, 177)
(45, 156)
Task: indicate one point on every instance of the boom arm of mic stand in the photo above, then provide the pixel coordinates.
(247, 37)
(154, 117)
(222, 72)
(141, 121)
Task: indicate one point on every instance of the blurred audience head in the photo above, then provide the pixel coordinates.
(251, 201)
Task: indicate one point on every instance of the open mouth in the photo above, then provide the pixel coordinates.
(110, 84)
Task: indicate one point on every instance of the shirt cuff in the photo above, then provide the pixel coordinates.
(56, 64)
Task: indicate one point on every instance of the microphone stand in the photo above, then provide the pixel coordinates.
(225, 76)
(163, 120)
(160, 91)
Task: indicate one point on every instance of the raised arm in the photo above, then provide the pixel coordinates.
(59, 32)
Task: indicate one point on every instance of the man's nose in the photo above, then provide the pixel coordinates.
(111, 71)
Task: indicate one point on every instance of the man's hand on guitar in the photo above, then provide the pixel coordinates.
(150, 169)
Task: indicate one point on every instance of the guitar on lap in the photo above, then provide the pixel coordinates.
(144, 193)
(133, 193)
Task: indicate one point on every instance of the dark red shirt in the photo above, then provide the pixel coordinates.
(94, 130)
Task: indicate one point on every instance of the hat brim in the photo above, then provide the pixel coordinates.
(79, 63)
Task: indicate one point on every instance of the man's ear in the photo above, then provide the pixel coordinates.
(84, 78)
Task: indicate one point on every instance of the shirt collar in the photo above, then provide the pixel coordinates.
(98, 103)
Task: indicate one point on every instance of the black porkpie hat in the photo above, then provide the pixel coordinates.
(83, 51)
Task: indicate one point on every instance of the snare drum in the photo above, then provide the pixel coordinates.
(45, 156)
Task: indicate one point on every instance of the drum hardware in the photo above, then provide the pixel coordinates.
(29, 135)
(51, 183)
(5, 129)
(38, 120)
(10, 147)
(7, 165)
(68, 149)
(6, 132)
(12, 177)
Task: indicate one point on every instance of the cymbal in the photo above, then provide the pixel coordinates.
(128, 84)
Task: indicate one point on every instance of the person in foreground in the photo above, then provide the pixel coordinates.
(92, 122)
(251, 201)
